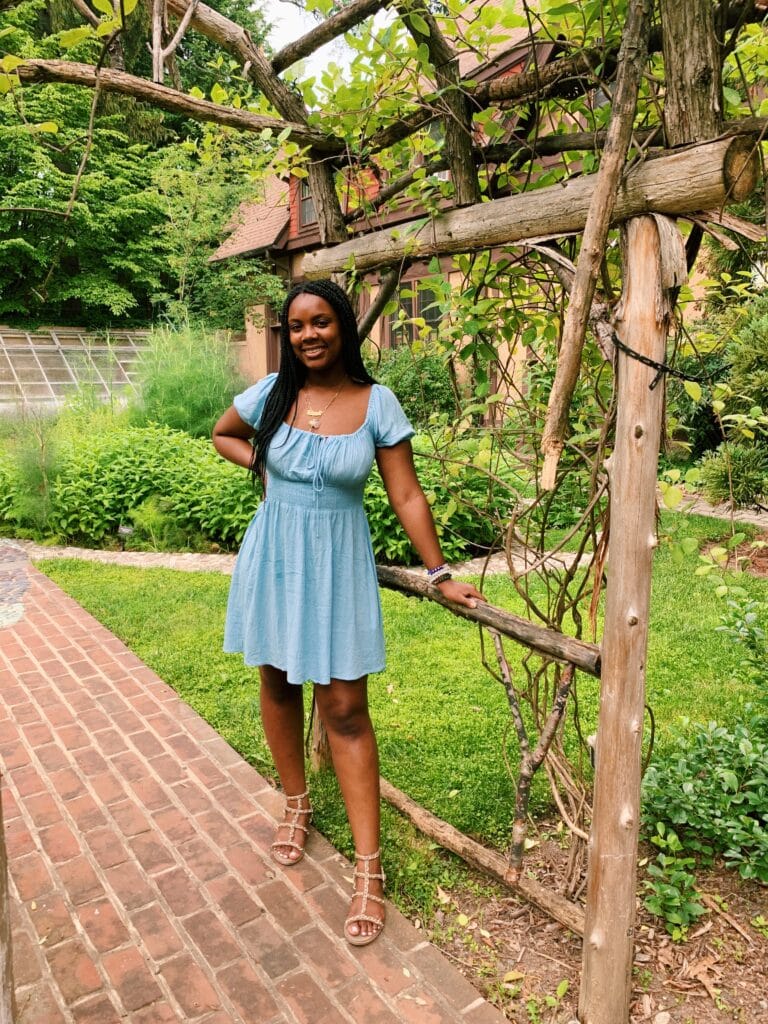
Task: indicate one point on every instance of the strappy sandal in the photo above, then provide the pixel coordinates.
(366, 874)
(292, 822)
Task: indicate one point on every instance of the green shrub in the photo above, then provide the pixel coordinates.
(743, 622)
(737, 472)
(468, 513)
(692, 425)
(712, 789)
(747, 355)
(186, 378)
(671, 886)
(421, 381)
(33, 454)
(8, 488)
(104, 478)
(177, 492)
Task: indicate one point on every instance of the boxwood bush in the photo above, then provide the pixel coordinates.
(712, 790)
(175, 490)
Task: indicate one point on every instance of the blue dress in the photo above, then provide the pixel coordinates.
(304, 594)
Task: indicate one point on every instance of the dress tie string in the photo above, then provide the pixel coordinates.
(318, 481)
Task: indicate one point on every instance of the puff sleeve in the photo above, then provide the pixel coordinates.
(390, 424)
(249, 404)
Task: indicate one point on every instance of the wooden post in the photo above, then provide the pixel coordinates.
(611, 879)
(7, 1004)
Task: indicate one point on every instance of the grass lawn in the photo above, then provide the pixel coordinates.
(441, 720)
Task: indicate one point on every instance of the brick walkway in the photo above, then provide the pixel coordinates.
(138, 842)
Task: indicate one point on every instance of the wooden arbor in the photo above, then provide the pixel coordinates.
(720, 167)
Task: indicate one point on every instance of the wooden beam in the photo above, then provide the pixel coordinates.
(34, 70)
(489, 861)
(546, 642)
(703, 177)
(642, 325)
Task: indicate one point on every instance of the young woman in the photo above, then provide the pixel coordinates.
(304, 602)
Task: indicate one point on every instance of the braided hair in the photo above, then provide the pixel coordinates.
(292, 373)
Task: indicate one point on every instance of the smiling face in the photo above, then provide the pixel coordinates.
(314, 332)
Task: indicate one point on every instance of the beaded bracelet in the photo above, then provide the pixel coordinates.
(439, 574)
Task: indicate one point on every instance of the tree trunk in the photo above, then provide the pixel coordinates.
(693, 98)
(611, 879)
(704, 177)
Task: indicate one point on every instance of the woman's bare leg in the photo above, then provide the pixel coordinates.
(343, 708)
(282, 715)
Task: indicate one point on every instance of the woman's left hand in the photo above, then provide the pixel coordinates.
(460, 593)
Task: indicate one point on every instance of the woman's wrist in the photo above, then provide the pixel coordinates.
(439, 574)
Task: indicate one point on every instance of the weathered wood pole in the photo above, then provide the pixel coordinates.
(7, 1005)
(611, 877)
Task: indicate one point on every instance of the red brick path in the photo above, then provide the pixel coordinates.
(138, 841)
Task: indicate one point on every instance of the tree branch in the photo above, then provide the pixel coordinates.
(83, 9)
(180, 31)
(387, 288)
(233, 38)
(548, 642)
(167, 99)
(349, 16)
(634, 49)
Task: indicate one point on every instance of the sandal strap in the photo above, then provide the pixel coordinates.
(278, 844)
(364, 894)
(291, 815)
(353, 918)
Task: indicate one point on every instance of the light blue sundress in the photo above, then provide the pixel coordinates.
(304, 594)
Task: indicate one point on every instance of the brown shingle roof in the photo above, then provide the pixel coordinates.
(257, 226)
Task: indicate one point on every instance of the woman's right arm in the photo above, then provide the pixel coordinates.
(231, 438)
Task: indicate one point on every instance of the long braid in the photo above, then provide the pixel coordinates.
(292, 374)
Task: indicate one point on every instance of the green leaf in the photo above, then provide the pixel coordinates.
(129, 6)
(106, 28)
(50, 127)
(218, 93)
(196, 93)
(10, 63)
(73, 36)
(693, 389)
(672, 497)
(418, 23)
(105, 7)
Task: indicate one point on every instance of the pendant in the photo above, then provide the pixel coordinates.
(313, 423)
(313, 418)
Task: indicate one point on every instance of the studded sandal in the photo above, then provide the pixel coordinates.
(365, 895)
(292, 821)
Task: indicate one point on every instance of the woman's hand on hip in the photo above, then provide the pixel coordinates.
(460, 593)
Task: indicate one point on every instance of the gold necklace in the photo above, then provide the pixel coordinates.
(315, 415)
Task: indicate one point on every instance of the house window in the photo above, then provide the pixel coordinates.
(413, 302)
(307, 213)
